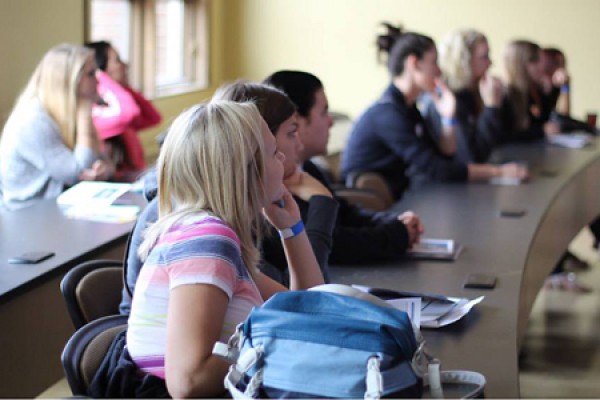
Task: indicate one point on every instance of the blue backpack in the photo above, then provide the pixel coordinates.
(308, 344)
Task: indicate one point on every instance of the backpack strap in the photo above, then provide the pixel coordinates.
(239, 370)
(374, 380)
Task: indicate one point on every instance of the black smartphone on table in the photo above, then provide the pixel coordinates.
(480, 281)
(32, 257)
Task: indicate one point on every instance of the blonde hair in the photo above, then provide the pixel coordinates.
(456, 52)
(54, 84)
(212, 161)
(517, 55)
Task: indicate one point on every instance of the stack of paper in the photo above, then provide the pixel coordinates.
(92, 193)
(571, 141)
(436, 315)
(505, 181)
(93, 201)
(426, 310)
(435, 249)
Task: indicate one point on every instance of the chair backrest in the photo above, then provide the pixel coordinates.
(373, 182)
(92, 290)
(86, 349)
(362, 198)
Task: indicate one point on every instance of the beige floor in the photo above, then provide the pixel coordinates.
(561, 352)
(59, 390)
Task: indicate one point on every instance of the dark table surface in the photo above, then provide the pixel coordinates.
(562, 196)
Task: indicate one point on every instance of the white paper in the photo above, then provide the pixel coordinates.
(571, 141)
(92, 194)
(411, 306)
(111, 214)
(505, 181)
(429, 248)
(435, 311)
(427, 245)
(439, 315)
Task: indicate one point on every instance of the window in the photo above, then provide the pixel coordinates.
(164, 41)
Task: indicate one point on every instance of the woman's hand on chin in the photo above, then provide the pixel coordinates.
(284, 212)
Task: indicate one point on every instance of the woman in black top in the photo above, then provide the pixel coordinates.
(464, 60)
(390, 138)
(360, 235)
(527, 108)
(318, 207)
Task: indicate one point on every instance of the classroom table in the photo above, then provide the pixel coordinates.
(563, 196)
(34, 318)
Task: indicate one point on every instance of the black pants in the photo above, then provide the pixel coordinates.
(119, 377)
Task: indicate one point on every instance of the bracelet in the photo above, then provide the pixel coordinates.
(565, 88)
(294, 230)
(449, 121)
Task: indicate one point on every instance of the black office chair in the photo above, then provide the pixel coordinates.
(86, 349)
(92, 290)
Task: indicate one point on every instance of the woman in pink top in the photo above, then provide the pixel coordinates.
(125, 113)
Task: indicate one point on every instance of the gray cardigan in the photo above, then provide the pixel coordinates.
(35, 163)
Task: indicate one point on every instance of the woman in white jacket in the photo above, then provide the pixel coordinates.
(49, 142)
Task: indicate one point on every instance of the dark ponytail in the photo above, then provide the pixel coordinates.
(399, 45)
(100, 53)
(386, 41)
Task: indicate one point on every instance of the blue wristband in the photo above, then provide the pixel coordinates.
(294, 230)
(449, 121)
(565, 88)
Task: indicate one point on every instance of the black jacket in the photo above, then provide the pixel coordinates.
(391, 138)
(362, 236)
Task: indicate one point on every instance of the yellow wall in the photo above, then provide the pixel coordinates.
(28, 28)
(331, 38)
(335, 38)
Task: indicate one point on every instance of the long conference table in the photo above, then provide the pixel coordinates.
(34, 321)
(562, 196)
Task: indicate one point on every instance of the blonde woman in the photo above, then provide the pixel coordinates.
(218, 168)
(464, 60)
(48, 141)
(527, 108)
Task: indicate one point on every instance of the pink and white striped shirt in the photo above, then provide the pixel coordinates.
(201, 250)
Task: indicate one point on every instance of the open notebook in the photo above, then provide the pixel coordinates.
(94, 200)
(435, 249)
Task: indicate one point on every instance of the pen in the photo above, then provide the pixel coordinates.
(388, 294)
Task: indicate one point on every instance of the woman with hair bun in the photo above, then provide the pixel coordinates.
(391, 138)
